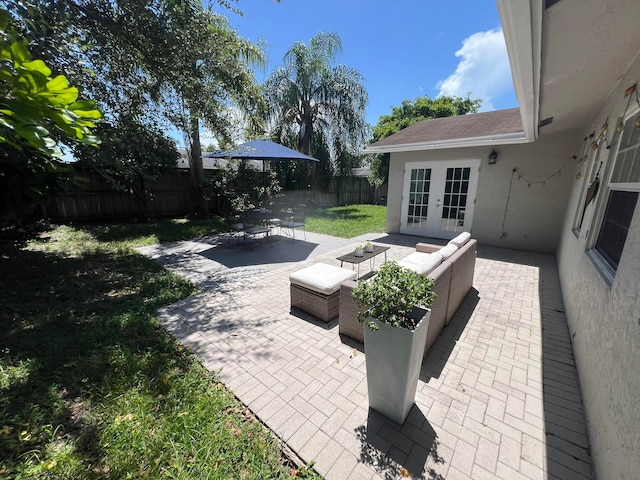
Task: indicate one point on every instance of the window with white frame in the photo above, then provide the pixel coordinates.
(621, 197)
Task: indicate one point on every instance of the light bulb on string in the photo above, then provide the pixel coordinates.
(603, 130)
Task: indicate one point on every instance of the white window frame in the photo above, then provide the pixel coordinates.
(606, 187)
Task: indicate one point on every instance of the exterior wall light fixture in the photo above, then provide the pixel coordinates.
(493, 157)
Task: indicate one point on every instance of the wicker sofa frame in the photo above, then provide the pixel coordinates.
(453, 279)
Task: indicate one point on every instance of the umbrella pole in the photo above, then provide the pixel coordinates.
(264, 185)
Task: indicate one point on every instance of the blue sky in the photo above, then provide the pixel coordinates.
(404, 48)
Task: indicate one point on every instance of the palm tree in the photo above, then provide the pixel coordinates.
(314, 106)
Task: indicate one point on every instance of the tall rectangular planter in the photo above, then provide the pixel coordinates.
(394, 359)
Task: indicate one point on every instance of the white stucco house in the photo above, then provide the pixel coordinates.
(575, 64)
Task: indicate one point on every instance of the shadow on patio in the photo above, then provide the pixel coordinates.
(252, 252)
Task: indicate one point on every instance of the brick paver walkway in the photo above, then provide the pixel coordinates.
(498, 395)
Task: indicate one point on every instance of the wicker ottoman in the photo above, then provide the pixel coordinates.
(316, 289)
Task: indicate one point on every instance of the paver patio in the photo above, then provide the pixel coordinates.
(498, 395)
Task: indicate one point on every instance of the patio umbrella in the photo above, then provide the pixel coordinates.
(264, 150)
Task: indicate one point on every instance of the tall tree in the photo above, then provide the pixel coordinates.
(423, 108)
(194, 65)
(173, 61)
(319, 105)
(209, 68)
(408, 113)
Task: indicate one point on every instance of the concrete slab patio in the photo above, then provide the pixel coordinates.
(498, 395)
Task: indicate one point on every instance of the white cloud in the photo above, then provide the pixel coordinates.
(483, 71)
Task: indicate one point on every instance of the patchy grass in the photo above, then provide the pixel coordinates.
(135, 235)
(92, 387)
(347, 222)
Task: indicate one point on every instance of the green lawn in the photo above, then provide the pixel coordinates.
(347, 222)
(92, 387)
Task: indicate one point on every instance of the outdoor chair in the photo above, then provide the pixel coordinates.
(251, 228)
(236, 228)
(273, 217)
(277, 212)
(292, 220)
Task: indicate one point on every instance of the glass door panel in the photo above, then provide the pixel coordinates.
(456, 190)
(439, 197)
(419, 189)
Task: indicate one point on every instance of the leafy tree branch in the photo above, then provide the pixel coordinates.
(37, 110)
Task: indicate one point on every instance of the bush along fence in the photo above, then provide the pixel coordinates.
(166, 196)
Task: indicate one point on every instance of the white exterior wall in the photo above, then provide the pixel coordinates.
(605, 324)
(534, 215)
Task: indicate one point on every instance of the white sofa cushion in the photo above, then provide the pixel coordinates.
(448, 250)
(460, 239)
(421, 263)
(322, 278)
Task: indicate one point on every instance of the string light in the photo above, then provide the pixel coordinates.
(544, 181)
(604, 130)
(583, 157)
(592, 141)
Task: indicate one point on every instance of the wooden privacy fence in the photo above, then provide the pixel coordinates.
(346, 191)
(166, 196)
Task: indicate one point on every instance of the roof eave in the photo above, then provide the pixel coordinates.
(522, 28)
(502, 139)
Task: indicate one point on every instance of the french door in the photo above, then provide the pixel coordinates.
(439, 198)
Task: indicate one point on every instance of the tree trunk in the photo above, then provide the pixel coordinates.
(198, 206)
(143, 198)
(304, 146)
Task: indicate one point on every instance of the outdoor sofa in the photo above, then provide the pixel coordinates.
(451, 267)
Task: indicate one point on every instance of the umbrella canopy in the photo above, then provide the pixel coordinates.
(265, 150)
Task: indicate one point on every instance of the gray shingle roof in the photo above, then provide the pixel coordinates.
(473, 125)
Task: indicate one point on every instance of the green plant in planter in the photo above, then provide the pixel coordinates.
(392, 294)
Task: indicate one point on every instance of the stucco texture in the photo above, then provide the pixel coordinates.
(605, 322)
(532, 214)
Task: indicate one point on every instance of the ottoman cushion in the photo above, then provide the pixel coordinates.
(322, 278)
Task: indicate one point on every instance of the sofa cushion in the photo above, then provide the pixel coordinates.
(460, 239)
(321, 278)
(421, 263)
(448, 250)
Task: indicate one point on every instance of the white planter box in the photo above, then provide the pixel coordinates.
(394, 359)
